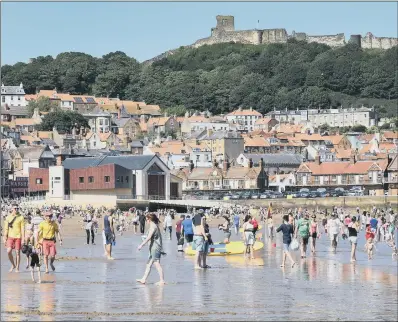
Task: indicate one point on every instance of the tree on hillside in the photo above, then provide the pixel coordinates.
(64, 121)
(43, 104)
(178, 110)
(222, 77)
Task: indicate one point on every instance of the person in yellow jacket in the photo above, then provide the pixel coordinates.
(13, 235)
(47, 231)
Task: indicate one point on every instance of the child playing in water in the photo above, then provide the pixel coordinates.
(33, 254)
(369, 235)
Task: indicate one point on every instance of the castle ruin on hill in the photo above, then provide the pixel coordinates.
(225, 32)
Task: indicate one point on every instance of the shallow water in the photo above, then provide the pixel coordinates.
(86, 286)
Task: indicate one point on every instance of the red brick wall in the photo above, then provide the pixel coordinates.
(98, 173)
(38, 173)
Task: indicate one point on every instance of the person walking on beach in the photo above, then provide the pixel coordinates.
(287, 231)
(199, 241)
(88, 219)
(168, 224)
(353, 228)
(109, 231)
(270, 225)
(334, 228)
(248, 236)
(236, 222)
(155, 249)
(303, 230)
(141, 220)
(179, 227)
(187, 229)
(13, 235)
(314, 232)
(47, 231)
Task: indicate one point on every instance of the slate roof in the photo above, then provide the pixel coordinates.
(12, 90)
(120, 122)
(276, 159)
(222, 134)
(136, 144)
(131, 162)
(14, 110)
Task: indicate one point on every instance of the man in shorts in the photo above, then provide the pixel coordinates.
(14, 233)
(303, 230)
(187, 229)
(47, 231)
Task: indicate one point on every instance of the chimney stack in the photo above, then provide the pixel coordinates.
(226, 165)
(261, 163)
(215, 163)
(250, 163)
(318, 159)
(353, 158)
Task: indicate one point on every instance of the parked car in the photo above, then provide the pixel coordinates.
(313, 194)
(264, 196)
(235, 196)
(255, 196)
(278, 194)
(338, 192)
(245, 195)
(303, 194)
(323, 192)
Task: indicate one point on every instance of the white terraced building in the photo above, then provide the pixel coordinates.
(13, 95)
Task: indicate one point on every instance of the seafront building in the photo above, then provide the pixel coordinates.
(199, 152)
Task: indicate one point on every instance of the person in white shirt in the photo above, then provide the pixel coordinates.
(36, 220)
(168, 224)
(88, 219)
(334, 228)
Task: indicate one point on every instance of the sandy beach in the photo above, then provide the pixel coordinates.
(87, 286)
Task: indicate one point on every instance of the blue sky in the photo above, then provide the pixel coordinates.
(144, 30)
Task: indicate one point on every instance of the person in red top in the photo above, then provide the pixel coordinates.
(255, 226)
(178, 227)
(369, 236)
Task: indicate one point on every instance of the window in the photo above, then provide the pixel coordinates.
(197, 157)
(101, 122)
(118, 179)
(39, 181)
(90, 179)
(127, 179)
(81, 179)
(107, 179)
(19, 98)
(12, 98)
(3, 99)
(106, 121)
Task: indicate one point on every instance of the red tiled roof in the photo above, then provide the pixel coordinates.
(335, 168)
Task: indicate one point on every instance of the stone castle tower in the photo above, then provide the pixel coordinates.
(225, 32)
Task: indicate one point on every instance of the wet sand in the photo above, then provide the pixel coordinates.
(87, 286)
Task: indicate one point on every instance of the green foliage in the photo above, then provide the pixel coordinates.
(64, 121)
(359, 128)
(178, 110)
(222, 77)
(43, 104)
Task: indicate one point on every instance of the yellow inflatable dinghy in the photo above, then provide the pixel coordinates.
(221, 249)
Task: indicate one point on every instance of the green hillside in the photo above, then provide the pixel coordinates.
(223, 77)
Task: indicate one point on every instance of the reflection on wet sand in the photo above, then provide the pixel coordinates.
(235, 288)
(47, 301)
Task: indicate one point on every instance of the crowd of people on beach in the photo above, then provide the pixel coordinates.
(35, 231)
